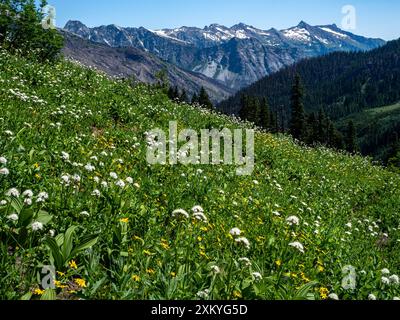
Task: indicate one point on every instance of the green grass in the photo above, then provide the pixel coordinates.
(128, 245)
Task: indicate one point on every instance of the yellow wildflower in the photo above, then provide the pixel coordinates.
(80, 282)
(173, 274)
(150, 271)
(58, 284)
(237, 294)
(38, 292)
(147, 252)
(323, 292)
(136, 278)
(124, 220)
(278, 263)
(72, 264)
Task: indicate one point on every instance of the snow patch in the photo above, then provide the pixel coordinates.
(341, 35)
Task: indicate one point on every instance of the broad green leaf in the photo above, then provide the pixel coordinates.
(87, 242)
(27, 296)
(49, 295)
(68, 242)
(55, 252)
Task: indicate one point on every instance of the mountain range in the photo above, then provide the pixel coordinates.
(234, 56)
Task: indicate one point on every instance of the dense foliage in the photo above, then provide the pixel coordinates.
(24, 29)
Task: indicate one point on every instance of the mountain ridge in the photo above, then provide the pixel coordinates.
(237, 56)
(143, 66)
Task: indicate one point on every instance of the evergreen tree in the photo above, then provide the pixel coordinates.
(21, 29)
(312, 129)
(204, 99)
(351, 144)
(244, 107)
(297, 122)
(394, 153)
(195, 99)
(265, 114)
(183, 97)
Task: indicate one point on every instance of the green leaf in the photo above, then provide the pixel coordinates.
(59, 239)
(25, 217)
(17, 205)
(86, 243)
(304, 291)
(49, 294)
(27, 296)
(68, 243)
(43, 217)
(55, 252)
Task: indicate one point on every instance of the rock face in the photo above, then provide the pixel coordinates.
(127, 62)
(236, 56)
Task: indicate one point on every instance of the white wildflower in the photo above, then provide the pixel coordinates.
(65, 156)
(215, 269)
(235, 232)
(3, 202)
(180, 213)
(129, 180)
(13, 192)
(3, 160)
(36, 226)
(85, 213)
(371, 297)
(245, 261)
(293, 220)
(120, 183)
(333, 296)
(385, 271)
(203, 294)
(298, 246)
(104, 184)
(27, 194)
(257, 276)
(4, 172)
(96, 193)
(243, 241)
(394, 279)
(13, 217)
(42, 197)
(385, 280)
(197, 209)
(89, 167)
(114, 175)
(200, 216)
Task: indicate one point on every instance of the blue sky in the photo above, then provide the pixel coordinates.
(375, 18)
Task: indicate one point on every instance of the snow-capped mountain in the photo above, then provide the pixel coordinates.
(236, 56)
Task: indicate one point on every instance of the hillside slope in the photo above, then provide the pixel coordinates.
(127, 62)
(77, 140)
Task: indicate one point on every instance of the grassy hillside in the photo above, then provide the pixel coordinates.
(64, 129)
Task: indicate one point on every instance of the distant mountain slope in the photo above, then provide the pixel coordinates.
(239, 55)
(144, 66)
(342, 84)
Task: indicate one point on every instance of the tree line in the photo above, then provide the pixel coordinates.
(313, 128)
